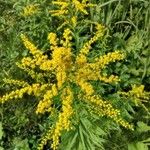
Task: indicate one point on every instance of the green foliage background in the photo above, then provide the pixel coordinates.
(128, 29)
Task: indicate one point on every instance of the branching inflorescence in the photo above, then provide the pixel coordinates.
(69, 71)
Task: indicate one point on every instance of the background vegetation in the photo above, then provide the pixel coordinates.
(128, 25)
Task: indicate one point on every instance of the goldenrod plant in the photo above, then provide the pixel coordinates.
(67, 80)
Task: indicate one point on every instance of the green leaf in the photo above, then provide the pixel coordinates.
(147, 141)
(137, 146)
(1, 130)
(82, 137)
(1, 148)
(142, 127)
(20, 144)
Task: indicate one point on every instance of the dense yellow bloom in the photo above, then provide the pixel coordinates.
(103, 108)
(81, 59)
(67, 37)
(35, 90)
(16, 82)
(68, 70)
(64, 117)
(79, 6)
(66, 5)
(98, 34)
(45, 104)
(30, 46)
(30, 10)
(85, 86)
(55, 79)
(103, 61)
(58, 12)
(52, 37)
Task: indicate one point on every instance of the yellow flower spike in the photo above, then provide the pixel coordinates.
(58, 12)
(45, 104)
(79, 6)
(54, 90)
(64, 117)
(64, 7)
(61, 78)
(138, 95)
(14, 95)
(86, 87)
(81, 59)
(109, 79)
(74, 21)
(30, 46)
(67, 37)
(104, 108)
(104, 60)
(52, 37)
(44, 140)
(62, 4)
(29, 10)
(98, 34)
(16, 82)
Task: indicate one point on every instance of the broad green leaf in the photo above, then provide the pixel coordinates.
(137, 146)
(147, 141)
(142, 127)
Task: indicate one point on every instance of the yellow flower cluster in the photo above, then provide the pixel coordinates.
(44, 140)
(68, 70)
(65, 6)
(138, 91)
(64, 117)
(52, 37)
(85, 86)
(16, 82)
(74, 21)
(35, 90)
(103, 61)
(30, 46)
(109, 79)
(67, 38)
(34, 75)
(138, 95)
(28, 63)
(80, 6)
(45, 104)
(103, 108)
(98, 34)
(30, 10)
